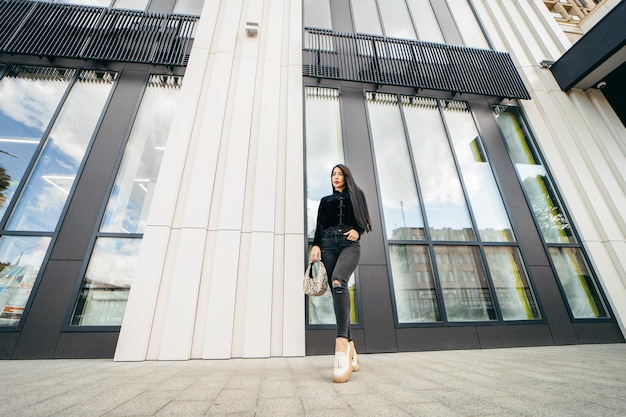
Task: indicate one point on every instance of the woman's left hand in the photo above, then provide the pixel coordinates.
(351, 235)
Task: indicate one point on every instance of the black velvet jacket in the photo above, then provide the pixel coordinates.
(335, 210)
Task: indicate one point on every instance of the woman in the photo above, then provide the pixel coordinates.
(342, 218)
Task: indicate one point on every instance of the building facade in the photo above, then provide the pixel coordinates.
(162, 163)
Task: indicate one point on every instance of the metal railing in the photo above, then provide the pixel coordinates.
(94, 33)
(421, 65)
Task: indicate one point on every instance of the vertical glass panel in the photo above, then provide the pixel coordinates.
(20, 261)
(102, 300)
(193, 7)
(485, 199)
(578, 285)
(515, 295)
(464, 299)
(52, 178)
(398, 191)
(396, 19)
(29, 97)
(317, 14)
(467, 24)
(132, 193)
(446, 209)
(366, 18)
(413, 284)
(554, 225)
(321, 309)
(324, 146)
(425, 21)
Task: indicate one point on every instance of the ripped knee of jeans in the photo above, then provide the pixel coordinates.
(340, 286)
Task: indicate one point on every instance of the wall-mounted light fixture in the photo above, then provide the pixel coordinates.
(252, 28)
(546, 63)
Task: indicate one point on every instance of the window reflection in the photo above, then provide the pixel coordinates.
(575, 278)
(108, 279)
(446, 210)
(48, 186)
(477, 176)
(515, 296)
(413, 285)
(324, 146)
(579, 286)
(29, 97)
(102, 300)
(554, 225)
(20, 261)
(464, 300)
(132, 193)
(398, 191)
(324, 150)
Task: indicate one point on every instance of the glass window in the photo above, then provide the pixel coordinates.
(192, 7)
(321, 310)
(579, 286)
(20, 261)
(429, 157)
(580, 289)
(365, 14)
(398, 191)
(467, 24)
(324, 150)
(108, 279)
(464, 301)
(446, 209)
(324, 146)
(317, 14)
(425, 21)
(554, 224)
(131, 197)
(29, 97)
(416, 299)
(477, 176)
(515, 296)
(396, 19)
(48, 187)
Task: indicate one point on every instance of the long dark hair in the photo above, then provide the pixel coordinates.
(359, 204)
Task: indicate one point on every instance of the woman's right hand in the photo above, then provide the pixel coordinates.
(316, 254)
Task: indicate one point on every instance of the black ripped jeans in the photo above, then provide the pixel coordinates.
(340, 257)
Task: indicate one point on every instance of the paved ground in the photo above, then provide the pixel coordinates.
(584, 380)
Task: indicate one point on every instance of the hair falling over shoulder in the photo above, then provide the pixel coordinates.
(357, 196)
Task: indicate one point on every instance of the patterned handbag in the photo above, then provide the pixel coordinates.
(315, 279)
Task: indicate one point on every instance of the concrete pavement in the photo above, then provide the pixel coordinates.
(555, 381)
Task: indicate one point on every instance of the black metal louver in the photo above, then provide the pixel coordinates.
(95, 33)
(421, 65)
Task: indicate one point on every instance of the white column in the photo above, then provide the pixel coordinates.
(219, 271)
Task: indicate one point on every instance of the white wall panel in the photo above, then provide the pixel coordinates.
(182, 298)
(137, 324)
(202, 177)
(258, 303)
(227, 284)
(218, 333)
